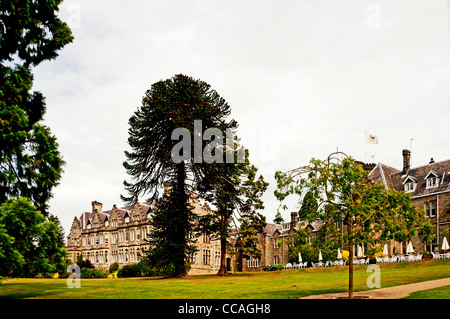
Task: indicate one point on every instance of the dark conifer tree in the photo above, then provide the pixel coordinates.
(168, 105)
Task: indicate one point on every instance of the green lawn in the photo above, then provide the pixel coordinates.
(436, 293)
(286, 284)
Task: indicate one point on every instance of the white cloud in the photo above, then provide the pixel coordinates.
(311, 74)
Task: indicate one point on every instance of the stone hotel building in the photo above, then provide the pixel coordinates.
(117, 235)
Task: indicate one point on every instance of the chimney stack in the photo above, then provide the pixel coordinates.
(431, 161)
(96, 206)
(406, 161)
(294, 217)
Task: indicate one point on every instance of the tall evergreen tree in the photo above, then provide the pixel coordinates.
(30, 163)
(235, 192)
(168, 105)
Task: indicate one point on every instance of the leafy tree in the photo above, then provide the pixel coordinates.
(168, 105)
(344, 194)
(235, 192)
(278, 218)
(29, 243)
(32, 31)
(10, 258)
(309, 205)
(30, 163)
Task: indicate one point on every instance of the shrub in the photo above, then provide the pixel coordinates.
(376, 251)
(113, 267)
(345, 254)
(93, 273)
(141, 269)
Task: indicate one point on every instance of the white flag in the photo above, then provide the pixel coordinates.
(371, 139)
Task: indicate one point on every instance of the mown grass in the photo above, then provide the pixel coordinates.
(285, 284)
(436, 293)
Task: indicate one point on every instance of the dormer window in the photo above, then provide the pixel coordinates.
(431, 180)
(127, 218)
(409, 185)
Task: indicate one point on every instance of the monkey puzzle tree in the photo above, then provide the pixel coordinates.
(174, 105)
(341, 193)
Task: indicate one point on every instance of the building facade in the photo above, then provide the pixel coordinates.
(429, 186)
(118, 235)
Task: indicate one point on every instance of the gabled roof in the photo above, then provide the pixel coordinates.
(409, 178)
(382, 174)
(393, 178)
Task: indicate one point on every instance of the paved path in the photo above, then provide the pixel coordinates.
(389, 292)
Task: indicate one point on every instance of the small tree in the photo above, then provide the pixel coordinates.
(278, 218)
(28, 241)
(235, 191)
(344, 195)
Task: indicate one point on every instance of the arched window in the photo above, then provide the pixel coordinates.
(427, 209)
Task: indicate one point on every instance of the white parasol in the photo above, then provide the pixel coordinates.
(299, 257)
(359, 254)
(385, 250)
(320, 255)
(339, 255)
(409, 249)
(445, 246)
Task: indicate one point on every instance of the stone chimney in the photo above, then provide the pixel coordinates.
(294, 219)
(431, 161)
(406, 161)
(96, 206)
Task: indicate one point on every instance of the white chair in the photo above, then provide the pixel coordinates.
(288, 266)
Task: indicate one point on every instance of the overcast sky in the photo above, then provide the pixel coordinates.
(302, 77)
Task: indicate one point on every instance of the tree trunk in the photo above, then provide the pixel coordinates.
(181, 222)
(223, 271)
(350, 269)
(223, 256)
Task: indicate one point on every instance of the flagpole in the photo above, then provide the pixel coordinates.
(365, 146)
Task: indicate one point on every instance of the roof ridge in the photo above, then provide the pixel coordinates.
(438, 162)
